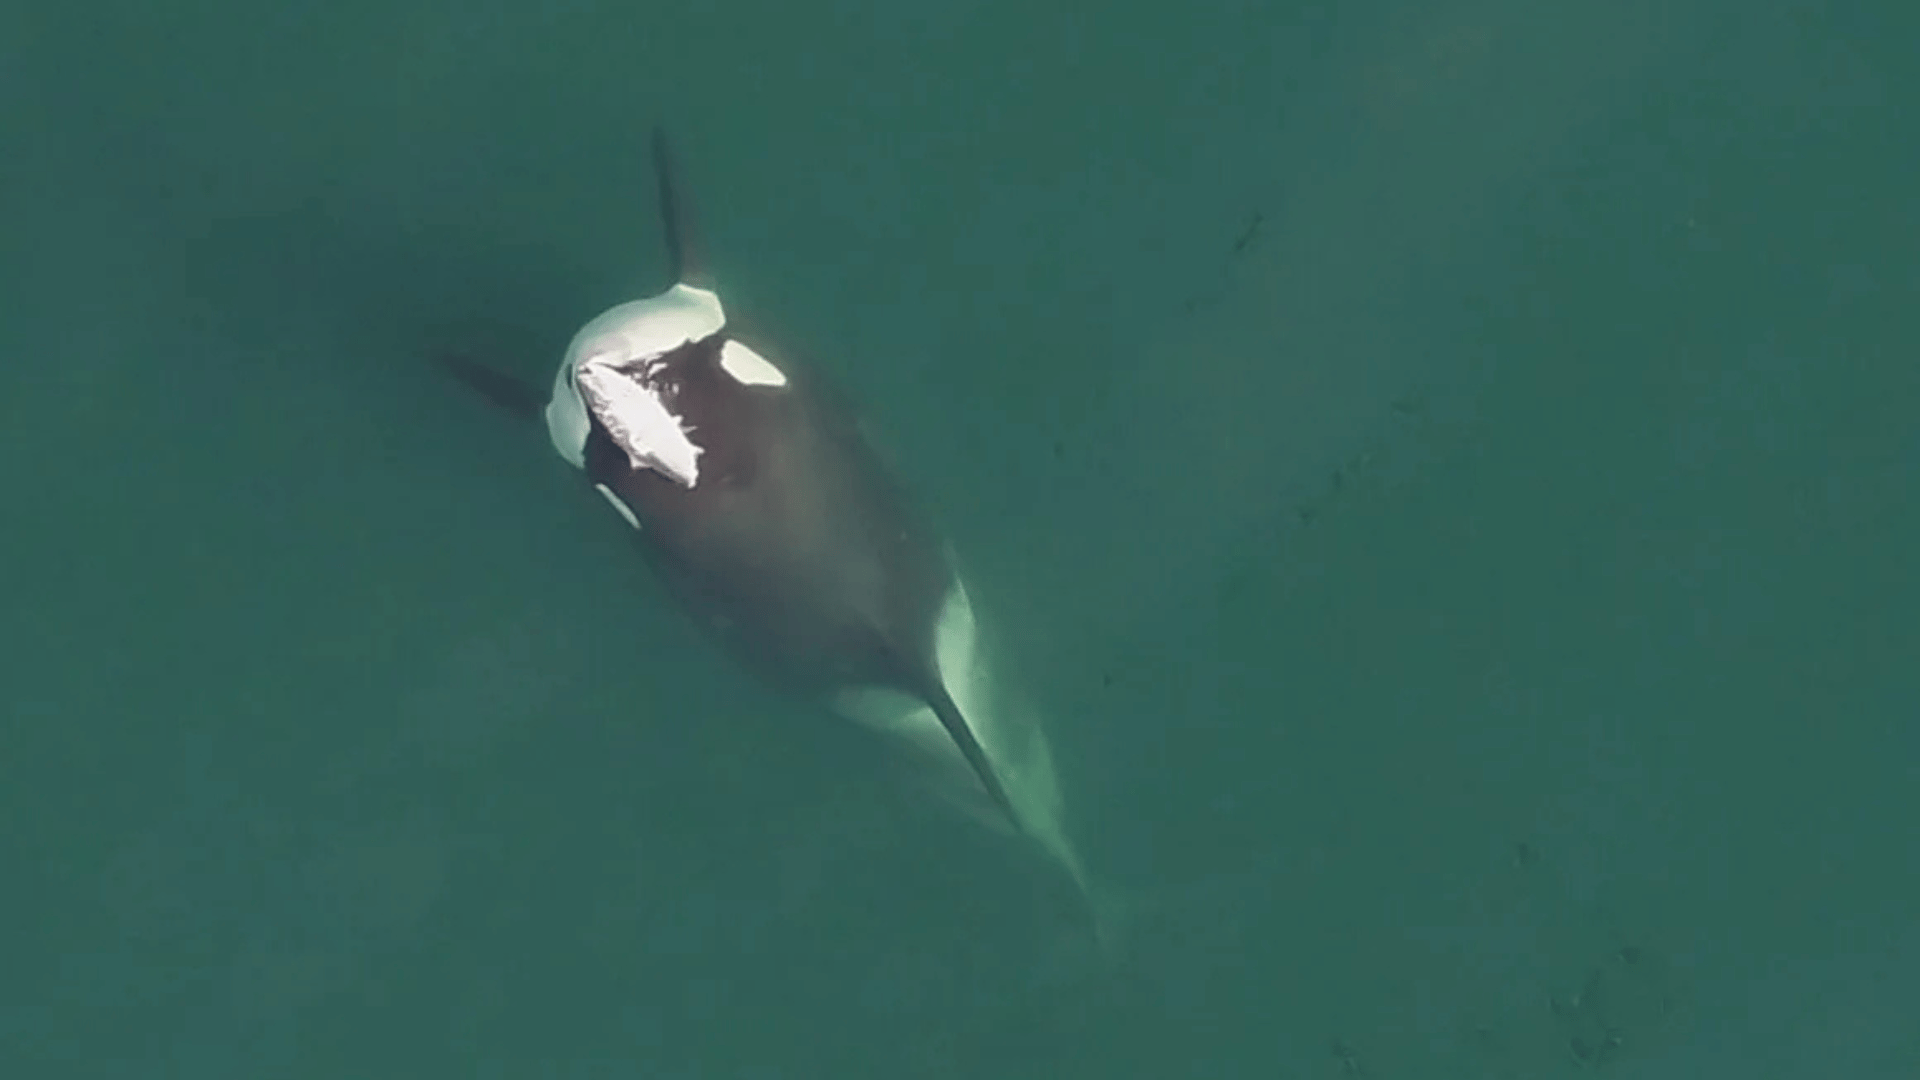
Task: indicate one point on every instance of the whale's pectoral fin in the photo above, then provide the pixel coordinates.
(520, 399)
(676, 218)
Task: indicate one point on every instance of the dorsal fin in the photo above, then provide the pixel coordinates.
(676, 218)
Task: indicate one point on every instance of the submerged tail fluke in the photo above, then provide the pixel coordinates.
(962, 735)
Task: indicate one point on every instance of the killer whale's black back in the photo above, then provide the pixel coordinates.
(795, 544)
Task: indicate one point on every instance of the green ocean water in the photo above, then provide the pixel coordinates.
(1447, 471)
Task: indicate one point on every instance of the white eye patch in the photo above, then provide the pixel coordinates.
(749, 368)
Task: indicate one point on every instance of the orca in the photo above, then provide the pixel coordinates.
(752, 490)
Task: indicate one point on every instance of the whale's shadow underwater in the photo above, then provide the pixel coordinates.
(761, 505)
